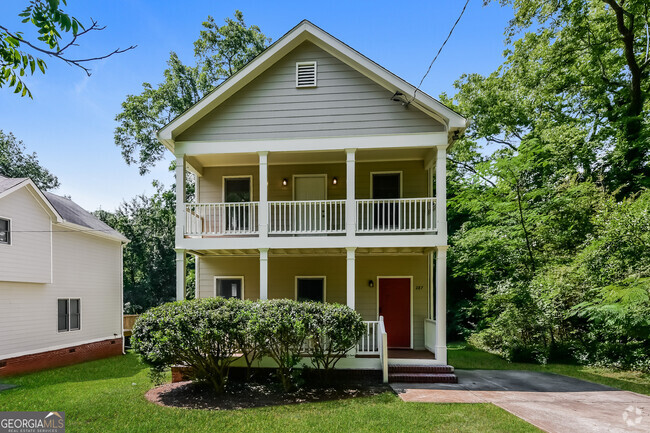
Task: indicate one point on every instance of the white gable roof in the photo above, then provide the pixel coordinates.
(306, 31)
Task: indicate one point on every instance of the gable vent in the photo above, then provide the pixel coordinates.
(306, 74)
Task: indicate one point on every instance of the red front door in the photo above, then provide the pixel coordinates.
(395, 306)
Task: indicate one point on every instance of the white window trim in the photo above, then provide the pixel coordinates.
(295, 176)
(228, 277)
(315, 64)
(10, 243)
(57, 314)
(310, 277)
(401, 181)
(243, 176)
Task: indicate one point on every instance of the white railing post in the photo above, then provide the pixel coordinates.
(441, 192)
(350, 188)
(383, 349)
(262, 212)
(350, 276)
(264, 273)
(441, 304)
(180, 197)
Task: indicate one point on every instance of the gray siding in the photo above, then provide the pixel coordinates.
(345, 103)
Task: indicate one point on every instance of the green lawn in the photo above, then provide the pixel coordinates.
(108, 396)
(465, 357)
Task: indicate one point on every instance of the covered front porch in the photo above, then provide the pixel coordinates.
(399, 292)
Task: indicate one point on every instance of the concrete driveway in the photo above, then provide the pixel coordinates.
(552, 402)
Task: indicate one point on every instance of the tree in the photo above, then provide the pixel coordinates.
(149, 257)
(15, 162)
(18, 54)
(219, 53)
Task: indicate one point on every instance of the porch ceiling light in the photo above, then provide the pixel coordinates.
(335, 181)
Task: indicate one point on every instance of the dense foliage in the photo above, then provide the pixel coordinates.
(549, 210)
(15, 162)
(149, 258)
(219, 53)
(210, 334)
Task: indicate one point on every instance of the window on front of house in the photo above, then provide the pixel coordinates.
(5, 231)
(229, 287)
(310, 289)
(69, 315)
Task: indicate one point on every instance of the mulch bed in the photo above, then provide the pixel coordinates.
(240, 395)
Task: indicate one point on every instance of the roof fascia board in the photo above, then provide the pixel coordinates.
(299, 34)
(229, 87)
(38, 196)
(85, 230)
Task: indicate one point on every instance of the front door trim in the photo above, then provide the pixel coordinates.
(410, 278)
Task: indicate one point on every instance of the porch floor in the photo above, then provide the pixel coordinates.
(410, 354)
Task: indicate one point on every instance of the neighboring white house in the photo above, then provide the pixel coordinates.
(60, 281)
(321, 176)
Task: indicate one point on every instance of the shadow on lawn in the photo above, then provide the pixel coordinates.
(103, 369)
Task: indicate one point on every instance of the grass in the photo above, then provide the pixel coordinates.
(462, 356)
(108, 396)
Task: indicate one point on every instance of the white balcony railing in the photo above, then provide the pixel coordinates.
(396, 215)
(221, 219)
(307, 217)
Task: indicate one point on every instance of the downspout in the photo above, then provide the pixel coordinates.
(121, 310)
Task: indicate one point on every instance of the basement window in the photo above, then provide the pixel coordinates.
(306, 74)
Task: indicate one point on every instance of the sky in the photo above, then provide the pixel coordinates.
(70, 121)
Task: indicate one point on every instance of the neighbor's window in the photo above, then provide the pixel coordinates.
(5, 231)
(69, 317)
(310, 289)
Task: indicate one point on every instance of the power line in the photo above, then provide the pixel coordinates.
(440, 50)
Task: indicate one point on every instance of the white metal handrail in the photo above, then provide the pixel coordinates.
(219, 219)
(401, 215)
(369, 343)
(307, 217)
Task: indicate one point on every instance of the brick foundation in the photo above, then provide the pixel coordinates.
(60, 357)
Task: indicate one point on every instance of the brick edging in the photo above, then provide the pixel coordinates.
(60, 357)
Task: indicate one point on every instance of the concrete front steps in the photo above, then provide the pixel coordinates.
(409, 373)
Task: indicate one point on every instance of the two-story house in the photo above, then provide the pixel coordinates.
(321, 176)
(60, 281)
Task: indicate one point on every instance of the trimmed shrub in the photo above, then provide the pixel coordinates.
(281, 327)
(197, 333)
(243, 314)
(334, 330)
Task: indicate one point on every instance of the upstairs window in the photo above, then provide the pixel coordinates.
(5, 231)
(306, 74)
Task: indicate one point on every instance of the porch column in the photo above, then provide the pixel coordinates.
(441, 192)
(262, 212)
(350, 204)
(441, 304)
(180, 275)
(264, 273)
(350, 276)
(180, 197)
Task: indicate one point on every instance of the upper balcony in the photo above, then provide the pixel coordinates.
(313, 197)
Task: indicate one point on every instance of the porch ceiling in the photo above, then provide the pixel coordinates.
(312, 157)
(296, 252)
